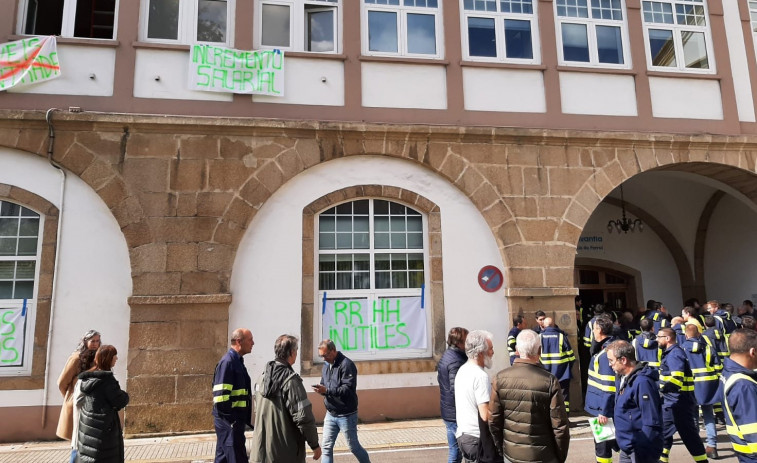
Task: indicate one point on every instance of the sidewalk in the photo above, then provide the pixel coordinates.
(200, 448)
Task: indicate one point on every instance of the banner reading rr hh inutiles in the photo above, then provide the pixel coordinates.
(28, 61)
(220, 69)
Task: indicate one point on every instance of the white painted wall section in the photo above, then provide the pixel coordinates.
(598, 94)
(84, 71)
(686, 98)
(94, 277)
(266, 277)
(504, 90)
(729, 270)
(644, 252)
(310, 81)
(739, 68)
(421, 86)
(164, 74)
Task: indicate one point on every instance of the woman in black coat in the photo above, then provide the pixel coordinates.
(100, 437)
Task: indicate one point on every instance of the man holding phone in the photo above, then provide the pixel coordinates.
(339, 389)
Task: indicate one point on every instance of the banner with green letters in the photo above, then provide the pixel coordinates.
(220, 69)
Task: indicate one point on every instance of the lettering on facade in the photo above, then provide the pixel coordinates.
(363, 325)
(220, 69)
(28, 61)
(592, 243)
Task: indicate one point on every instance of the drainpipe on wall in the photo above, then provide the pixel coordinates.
(50, 142)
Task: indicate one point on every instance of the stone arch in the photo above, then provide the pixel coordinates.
(413, 200)
(50, 212)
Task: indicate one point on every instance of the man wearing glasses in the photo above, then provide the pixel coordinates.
(678, 402)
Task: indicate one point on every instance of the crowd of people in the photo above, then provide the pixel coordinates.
(652, 374)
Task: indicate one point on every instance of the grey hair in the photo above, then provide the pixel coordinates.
(476, 344)
(621, 348)
(528, 344)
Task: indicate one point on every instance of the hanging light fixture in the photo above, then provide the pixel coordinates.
(624, 224)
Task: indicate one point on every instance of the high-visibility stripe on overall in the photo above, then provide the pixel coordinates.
(738, 432)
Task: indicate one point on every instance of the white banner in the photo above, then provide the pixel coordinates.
(220, 69)
(357, 325)
(12, 335)
(28, 61)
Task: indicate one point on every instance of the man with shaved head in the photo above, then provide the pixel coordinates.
(740, 394)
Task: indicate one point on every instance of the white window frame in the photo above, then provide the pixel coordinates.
(677, 29)
(499, 33)
(67, 22)
(374, 293)
(402, 11)
(187, 24)
(591, 32)
(298, 23)
(31, 304)
(752, 4)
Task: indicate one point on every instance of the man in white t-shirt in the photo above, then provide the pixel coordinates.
(472, 393)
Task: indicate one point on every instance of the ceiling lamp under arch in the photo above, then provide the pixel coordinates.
(624, 224)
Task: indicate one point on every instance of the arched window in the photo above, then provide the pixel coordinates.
(372, 258)
(20, 247)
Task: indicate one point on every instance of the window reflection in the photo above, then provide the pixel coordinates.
(481, 37)
(382, 31)
(662, 48)
(211, 21)
(421, 34)
(163, 19)
(694, 50)
(609, 45)
(320, 33)
(518, 39)
(575, 42)
(275, 24)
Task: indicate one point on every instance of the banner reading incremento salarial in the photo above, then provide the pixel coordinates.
(384, 323)
(28, 61)
(220, 69)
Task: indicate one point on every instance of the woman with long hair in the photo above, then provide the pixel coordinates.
(80, 360)
(100, 438)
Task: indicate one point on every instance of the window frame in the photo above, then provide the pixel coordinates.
(591, 24)
(499, 33)
(677, 30)
(187, 24)
(373, 293)
(402, 12)
(25, 369)
(68, 20)
(298, 25)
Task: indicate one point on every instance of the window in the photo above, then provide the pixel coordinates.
(188, 21)
(753, 17)
(592, 32)
(402, 28)
(500, 30)
(93, 19)
(677, 35)
(371, 280)
(19, 258)
(298, 25)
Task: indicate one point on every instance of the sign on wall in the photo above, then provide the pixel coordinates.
(384, 323)
(221, 69)
(12, 335)
(28, 61)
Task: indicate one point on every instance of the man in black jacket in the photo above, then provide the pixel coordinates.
(339, 389)
(452, 359)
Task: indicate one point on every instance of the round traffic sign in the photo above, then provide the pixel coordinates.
(490, 279)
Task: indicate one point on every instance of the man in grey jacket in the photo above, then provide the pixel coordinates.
(284, 418)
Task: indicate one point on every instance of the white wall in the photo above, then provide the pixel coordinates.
(266, 277)
(686, 98)
(730, 254)
(739, 65)
(390, 85)
(600, 94)
(164, 74)
(644, 252)
(94, 276)
(512, 90)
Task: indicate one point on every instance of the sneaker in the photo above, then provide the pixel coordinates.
(711, 452)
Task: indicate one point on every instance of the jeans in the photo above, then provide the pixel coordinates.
(348, 425)
(708, 415)
(454, 451)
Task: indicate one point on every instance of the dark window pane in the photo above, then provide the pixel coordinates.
(362, 280)
(382, 31)
(588, 277)
(326, 223)
(275, 25)
(414, 240)
(399, 280)
(662, 48)
(8, 227)
(415, 261)
(575, 42)
(163, 19)
(397, 208)
(360, 223)
(29, 227)
(344, 209)
(344, 280)
(380, 207)
(399, 262)
(25, 270)
(362, 262)
(7, 270)
(518, 39)
(6, 290)
(381, 240)
(416, 279)
(344, 240)
(327, 263)
(326, 241)
(381, 223)
(326, 281)
(421, 34)
(331, 211)
(383, 280)
(320, 30)
(360, 206)
(399, 241)
(94, 19)
(382, 262)
(8, 246)
(27, 246)
(361, 241)
(344, 223)
(24, 290)
(481, 37)
(9, 209)
(414, 224)
(211, 21)
(398, 224)
(344, 262)
(609, 45)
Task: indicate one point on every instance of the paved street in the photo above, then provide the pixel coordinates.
(403, 441)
